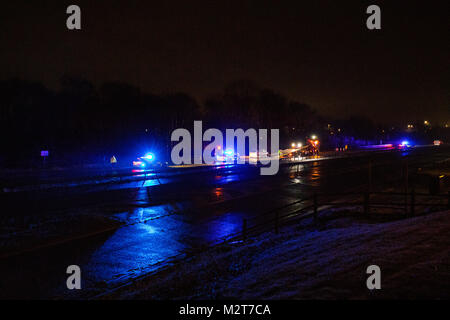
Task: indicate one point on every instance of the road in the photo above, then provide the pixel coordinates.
(165, 218)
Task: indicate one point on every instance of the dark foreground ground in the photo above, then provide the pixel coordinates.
(329, 262)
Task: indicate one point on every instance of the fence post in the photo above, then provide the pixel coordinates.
(413, 201)
(244, 229)
(276, 222)
(315, 207)
(366, 202)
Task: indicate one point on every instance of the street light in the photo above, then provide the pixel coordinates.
(299, 145)
(314, 137)
(293, 145)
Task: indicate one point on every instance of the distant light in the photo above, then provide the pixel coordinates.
(293, 145)
(228, 152)
(314, 137)
(218, 147)
(404, 143)
(149, 156)
(299, 145)
(426, 123)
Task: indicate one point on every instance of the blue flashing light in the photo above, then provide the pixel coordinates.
(149, 156)
(405, 143)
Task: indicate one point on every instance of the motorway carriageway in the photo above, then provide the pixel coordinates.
(125, 177)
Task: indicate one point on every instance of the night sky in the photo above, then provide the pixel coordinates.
(317, 52)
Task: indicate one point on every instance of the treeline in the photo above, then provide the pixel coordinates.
(81, 123)
(84, 123)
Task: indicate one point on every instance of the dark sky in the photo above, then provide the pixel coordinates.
(318, 52)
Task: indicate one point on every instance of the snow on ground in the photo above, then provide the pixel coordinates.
(305, 262)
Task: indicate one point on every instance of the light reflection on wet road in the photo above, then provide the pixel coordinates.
(133, 249)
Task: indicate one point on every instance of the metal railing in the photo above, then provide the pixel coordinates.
(408, 205)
